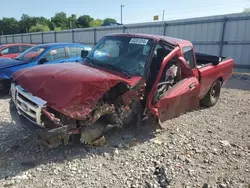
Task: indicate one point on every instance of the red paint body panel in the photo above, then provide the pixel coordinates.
(171, 40)
(14, 55)
(179, 99)
(154, 88)
(73, 89)
(10, 55)
(211, 73)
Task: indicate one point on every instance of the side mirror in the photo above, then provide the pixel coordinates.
(184, 62)
(43, 60)
(84, 53)
(185, 67)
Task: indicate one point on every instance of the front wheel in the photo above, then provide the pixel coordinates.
(212, 95)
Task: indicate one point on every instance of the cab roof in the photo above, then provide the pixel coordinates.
(171, 40)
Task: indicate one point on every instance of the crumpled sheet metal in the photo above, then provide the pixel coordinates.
(72, 89)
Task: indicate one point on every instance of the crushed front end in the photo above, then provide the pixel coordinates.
(118, 107)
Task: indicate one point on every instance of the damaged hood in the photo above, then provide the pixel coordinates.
(72, 89)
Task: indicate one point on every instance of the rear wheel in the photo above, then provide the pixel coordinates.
(212, 95)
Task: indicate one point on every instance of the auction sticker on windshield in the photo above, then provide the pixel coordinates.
(138, 41)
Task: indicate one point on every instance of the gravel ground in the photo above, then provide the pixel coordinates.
(205, 148)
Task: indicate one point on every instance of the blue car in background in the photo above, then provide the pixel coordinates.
(51, 53)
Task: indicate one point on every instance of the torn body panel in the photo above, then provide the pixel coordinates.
(71, 89)
(78, 108)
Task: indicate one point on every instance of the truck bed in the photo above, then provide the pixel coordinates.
(206, 59)
(212, 68)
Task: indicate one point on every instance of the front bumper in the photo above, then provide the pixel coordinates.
(27, 105)
(34, 108)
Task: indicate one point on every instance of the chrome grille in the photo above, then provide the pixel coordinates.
(28, 105)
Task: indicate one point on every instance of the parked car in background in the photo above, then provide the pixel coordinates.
(51, 53)
(13, 50)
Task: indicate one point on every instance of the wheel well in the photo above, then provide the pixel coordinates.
(221, 80)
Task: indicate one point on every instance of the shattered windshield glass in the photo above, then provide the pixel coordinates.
(127, 55)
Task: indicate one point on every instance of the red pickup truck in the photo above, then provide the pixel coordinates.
(13, 50)
(122, 79)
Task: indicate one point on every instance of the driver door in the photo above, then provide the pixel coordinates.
(181, 98)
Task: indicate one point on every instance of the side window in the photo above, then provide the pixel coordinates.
(10, 50)
(75, 51)
(156, 48)
(160, 48)
(189, 56)
(5, 51)
(24, 48)
(160, 52)
(56, 54)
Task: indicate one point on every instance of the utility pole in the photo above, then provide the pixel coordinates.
(121, 12)
(70, 24)
(163, 14)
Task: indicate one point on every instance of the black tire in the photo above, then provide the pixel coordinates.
(212, 96)
(6, 87)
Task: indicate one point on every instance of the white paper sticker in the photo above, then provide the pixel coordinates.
(138, 41)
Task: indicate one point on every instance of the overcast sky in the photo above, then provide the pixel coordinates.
(135, 11)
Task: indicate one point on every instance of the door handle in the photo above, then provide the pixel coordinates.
(191, 86)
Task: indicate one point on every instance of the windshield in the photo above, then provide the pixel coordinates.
(30, 54)
(127, 55)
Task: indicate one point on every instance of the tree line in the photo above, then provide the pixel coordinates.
(58, 22)
(246, 10)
